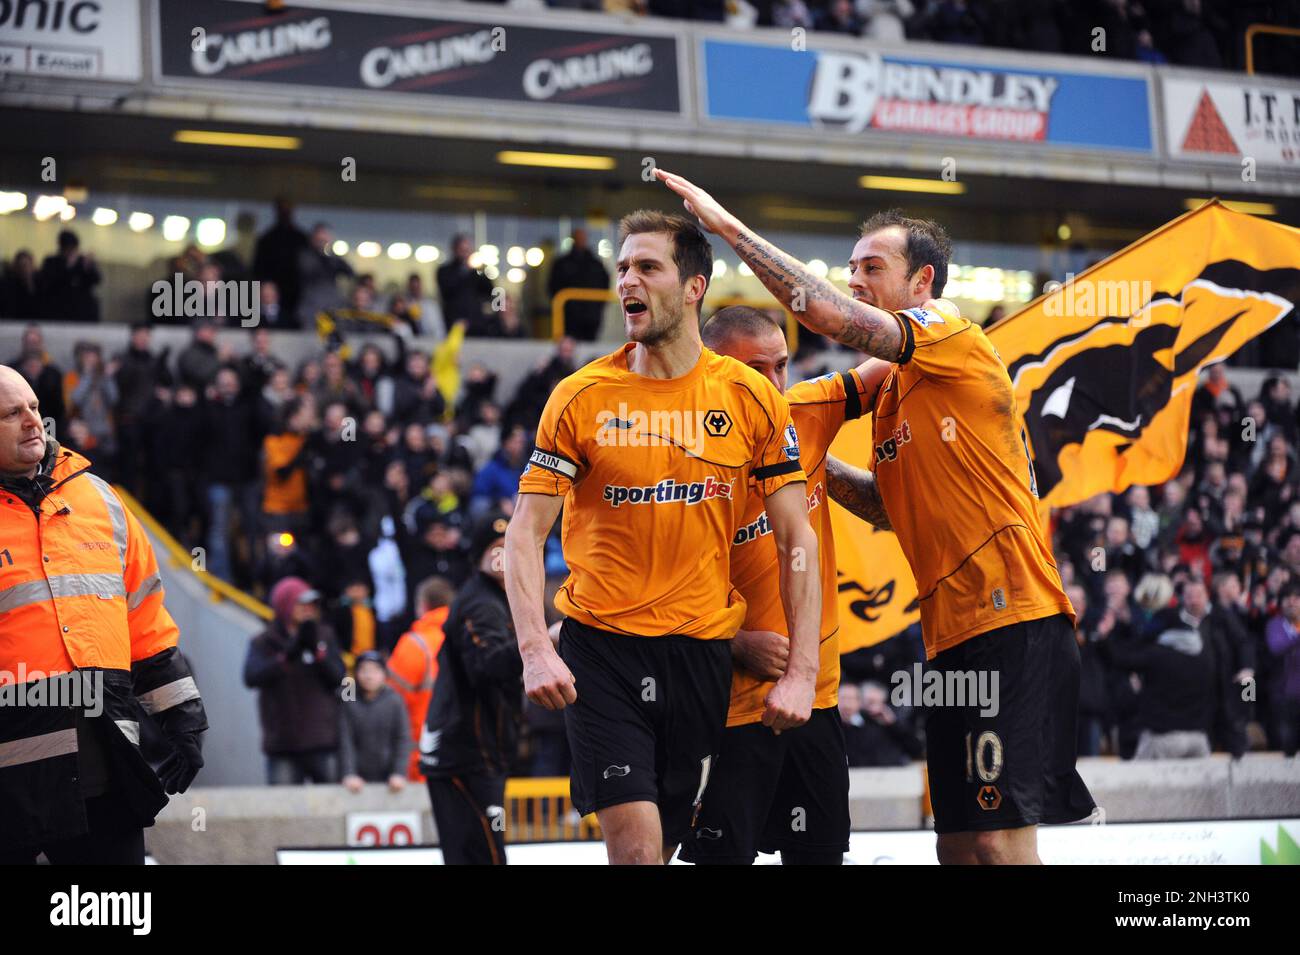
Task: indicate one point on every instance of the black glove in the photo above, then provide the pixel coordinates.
(179, 769)
(308, 637)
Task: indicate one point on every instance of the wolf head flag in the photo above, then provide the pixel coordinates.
(1104, 367)
(1103, 370)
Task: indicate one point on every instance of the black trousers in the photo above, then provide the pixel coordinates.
(470, 814)
(109, 841)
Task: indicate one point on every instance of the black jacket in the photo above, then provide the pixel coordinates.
(474, 716)
(298, 700)
(1178, 666)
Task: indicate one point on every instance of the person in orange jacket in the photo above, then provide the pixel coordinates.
(413, 665)
(86, 645)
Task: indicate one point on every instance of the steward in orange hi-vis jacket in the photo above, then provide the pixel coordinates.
(86, 646)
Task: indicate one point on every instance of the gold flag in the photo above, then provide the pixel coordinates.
(877, 591)
(1104, 367)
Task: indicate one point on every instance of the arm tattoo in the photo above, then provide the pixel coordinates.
(826, 309)
(855, 490)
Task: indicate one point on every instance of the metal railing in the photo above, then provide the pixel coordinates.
(1254, 30)
(538, 809)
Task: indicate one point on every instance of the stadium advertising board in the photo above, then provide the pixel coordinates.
(1211, 842)
(77, 39)
(342, 50)
(863, 93)
(1231, 120)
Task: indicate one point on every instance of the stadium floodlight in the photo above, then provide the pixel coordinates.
(175, 227)
(1063, 232)
(719, 268)
(491, 271)
(744, 270)
(1250, 208)
(103, 216)
(210, 233)
(818, 268)
(220, 137)
(340, 247)
(68, 213)
(515, 157)
(905, 184)
(398, 251)
(368, 250)
(489, 255)
(427, 253)
(604, 248)
(515, 275)
(12, 202)
(47, 207)
(534, 257)
(515, 256)
(139, 221)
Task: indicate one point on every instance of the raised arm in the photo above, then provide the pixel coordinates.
(816, 303)
(854, 489)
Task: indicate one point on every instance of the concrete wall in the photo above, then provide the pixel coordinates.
(245, 825)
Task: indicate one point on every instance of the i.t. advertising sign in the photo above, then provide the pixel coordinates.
(863, 93)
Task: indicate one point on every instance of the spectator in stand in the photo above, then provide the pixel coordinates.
(416, 396)
(140, 373)
(1193, 543)
(198, 362)
(389, 575)
(277, 259)
(1189, 39)
(887, 736)
(173, 451)
(94, 398)
(465, 291)
(47, 383)
(886, 19)
(838, 17)
(1144, 522)
(789, 14)
(854, 725)
(268, 302)
(231, 439)
(256, 368)
(437, 550)
(18, 291)
(1146, 49)
(473, 723)
(1094, 707)
(374, 739)
(423, 311)
(1283, 637)
(67, 281)
(285, 503)
(319, 272)
(498, 481)
(1234, 649)
(334, 385)
(1178, 669)
(580, 268)
(296, 668)
(413, 667)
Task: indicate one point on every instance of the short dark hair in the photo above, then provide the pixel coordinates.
(435, 592)
(68, 240)
(1291, 589)
(692, 253)
(927, 244)
(740, 320)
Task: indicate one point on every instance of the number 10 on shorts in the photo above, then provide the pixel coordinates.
(985, 757)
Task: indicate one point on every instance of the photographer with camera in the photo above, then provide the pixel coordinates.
(296, 668)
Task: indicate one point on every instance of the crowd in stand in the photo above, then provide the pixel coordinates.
(1200, 33)
(345, 492)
